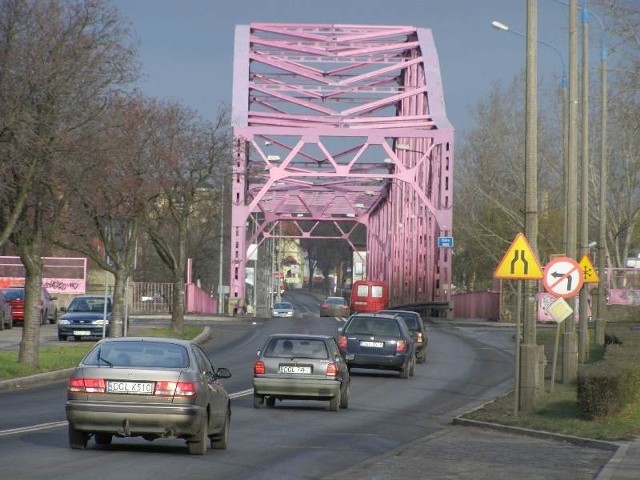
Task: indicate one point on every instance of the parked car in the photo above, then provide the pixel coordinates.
(301, 367)
(47, 306)
(378, 341)
(334, 307)
(6, 317)
(282, 309)
(417, 327)
(148, 387)
(85, 318)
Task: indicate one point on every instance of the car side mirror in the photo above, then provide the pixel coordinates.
(340, 329)
(223, 372)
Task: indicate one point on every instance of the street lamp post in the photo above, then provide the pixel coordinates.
(529, 387)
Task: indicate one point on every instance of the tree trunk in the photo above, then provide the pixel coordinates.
(33, 263)
(177, 314)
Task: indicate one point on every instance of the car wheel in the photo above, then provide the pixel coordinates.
(344, 398)
(270, 401)
(258, 400)
(10, 324)
(102, 438)
(43, 318)
(404, 373)
(423, 356)
(334, 403)
(54, 319)
(2, 323)
(77, 438)
(198, 445)
(61, 338)
(220, 443)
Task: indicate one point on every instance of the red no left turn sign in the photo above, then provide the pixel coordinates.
(563, 277)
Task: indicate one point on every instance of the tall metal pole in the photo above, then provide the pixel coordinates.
(570, 350)
(601, 321)
(529, 388)
(583, 337)
(221, 259)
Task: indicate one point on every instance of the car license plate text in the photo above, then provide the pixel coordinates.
(134, 388)
(294, 369)
(372, 344)
(80, 333)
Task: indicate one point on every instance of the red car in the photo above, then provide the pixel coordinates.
(48, 308)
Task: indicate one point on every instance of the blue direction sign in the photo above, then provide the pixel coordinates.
(445, 242)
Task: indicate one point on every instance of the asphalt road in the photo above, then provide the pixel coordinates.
(393, 428)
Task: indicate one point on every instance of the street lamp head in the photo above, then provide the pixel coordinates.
(499, 25)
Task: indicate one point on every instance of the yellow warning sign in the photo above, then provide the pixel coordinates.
(519, 262)
(589, 273)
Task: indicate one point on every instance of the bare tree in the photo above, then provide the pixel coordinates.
(58, 63)
(195, 155)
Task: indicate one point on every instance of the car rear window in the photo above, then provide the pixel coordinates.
(386, 327)
(139, 354)
(296, 347)
(335, 301)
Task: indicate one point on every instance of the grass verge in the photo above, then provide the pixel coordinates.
(67, 355)
(557, 410)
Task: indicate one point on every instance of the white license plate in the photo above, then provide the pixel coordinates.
(372, 344)
(134, 388)
(80, 333)
(294, 369)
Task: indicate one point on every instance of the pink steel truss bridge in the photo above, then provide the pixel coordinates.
(344, 124)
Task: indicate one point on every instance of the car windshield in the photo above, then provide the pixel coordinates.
(14, 294)
(93, 304)
(385, 327)
(295, 347)
(282, 306)
(138, 354)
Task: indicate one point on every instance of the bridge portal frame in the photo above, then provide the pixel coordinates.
(285, 78)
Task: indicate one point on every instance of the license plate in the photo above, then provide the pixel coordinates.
(372, 344)
(80, 333)
(294, 369)
(133, 388)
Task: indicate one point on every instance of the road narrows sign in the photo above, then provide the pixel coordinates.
(519, 262)
(563, 277)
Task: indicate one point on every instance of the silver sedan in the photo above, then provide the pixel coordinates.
(301, 367)
(149, 387)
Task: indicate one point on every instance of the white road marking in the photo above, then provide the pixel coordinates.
(44, 426)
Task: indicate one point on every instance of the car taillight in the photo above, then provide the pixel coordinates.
(420, 338)
(259, 368)
(332, 370)
(86, 385)
(176, 389)
(401, 346)
(342, 342)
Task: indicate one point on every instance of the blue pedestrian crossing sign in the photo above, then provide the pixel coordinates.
(519, 263)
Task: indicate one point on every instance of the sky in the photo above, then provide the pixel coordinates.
(186, 46)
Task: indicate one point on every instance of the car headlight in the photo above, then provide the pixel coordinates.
(100, 321)
(63, 322)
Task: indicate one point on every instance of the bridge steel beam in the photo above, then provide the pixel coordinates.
(343, 124)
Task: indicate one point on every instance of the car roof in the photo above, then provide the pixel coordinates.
(398, 312)
(300, 336)
(375, 314)
(178, 341)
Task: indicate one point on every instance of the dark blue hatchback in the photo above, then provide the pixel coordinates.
(378, 341)
(85, 318)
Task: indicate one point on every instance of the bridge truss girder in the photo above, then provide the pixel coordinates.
(344, 124)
